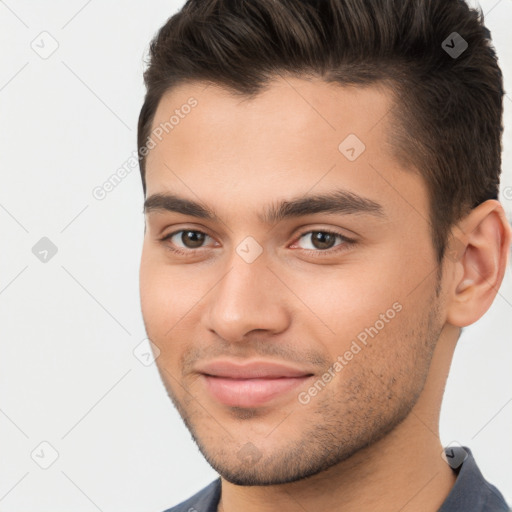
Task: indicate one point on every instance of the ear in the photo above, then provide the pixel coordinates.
(478, 251)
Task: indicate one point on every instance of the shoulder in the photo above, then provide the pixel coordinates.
(471, 491)
(206, 500)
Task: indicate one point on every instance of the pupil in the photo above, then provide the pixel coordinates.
(193, 236)
(322, 240)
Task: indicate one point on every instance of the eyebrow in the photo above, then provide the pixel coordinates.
(338, 201)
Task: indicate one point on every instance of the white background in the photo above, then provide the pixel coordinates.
(68, 375)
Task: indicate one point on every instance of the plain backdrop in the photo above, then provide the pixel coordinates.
(76, 394)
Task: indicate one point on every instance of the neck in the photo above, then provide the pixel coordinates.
(402, 471)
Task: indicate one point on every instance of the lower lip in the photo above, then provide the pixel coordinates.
(250, 392)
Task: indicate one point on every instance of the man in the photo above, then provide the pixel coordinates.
(321, 182)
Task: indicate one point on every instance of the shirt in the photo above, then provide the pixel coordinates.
(470, 493)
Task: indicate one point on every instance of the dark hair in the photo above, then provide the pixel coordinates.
(447, 115)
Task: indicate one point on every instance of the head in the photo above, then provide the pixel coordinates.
(334, 172)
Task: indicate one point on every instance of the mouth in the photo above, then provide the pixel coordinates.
(250, 392)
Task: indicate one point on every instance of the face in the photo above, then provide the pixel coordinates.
(294, 305)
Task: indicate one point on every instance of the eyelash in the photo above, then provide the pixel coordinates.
(347, 242)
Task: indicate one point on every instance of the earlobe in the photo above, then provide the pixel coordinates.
(479, 270)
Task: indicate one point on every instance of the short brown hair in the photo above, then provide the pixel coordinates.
(448, 108)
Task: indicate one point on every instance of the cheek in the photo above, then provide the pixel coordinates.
(150, 288)
(158, 297)
(384, 364)
(347, 300)
(166, 291)
(372, 321)
(169, 296)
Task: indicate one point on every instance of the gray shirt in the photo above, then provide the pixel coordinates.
(471, 492)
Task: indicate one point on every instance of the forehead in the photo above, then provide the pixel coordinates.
(308, 108)
(295, 136)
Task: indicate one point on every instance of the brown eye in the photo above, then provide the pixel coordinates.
(192, 239)
(321, 240)
(186, 239)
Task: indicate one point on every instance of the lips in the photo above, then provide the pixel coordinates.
(251, 370)
(251, 384)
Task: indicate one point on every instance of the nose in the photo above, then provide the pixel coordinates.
(249, 297)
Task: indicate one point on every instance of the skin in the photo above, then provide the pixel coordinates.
(369, 440)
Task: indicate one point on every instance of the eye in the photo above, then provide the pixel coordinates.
(323, 241)
(188, 238)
